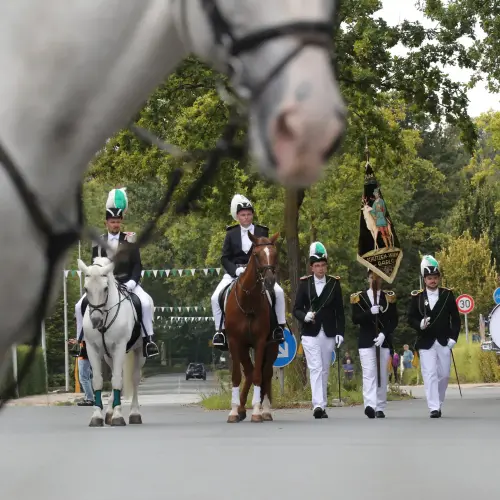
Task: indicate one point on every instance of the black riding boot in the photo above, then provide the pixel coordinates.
(149, 348)
(278, 334)
(219, 341)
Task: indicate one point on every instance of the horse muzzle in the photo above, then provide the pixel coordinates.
(97, 321)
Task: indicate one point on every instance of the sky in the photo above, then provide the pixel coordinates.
(395, 11)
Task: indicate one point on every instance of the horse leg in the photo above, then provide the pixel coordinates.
(117, 383)
(248, 370)
(97, 382)
(267, 382)
(135, 414)
(257, 381)
(109, 410)
(236, 379)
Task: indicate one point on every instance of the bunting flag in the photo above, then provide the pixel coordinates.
(161, 273)
(378, 244)
(180, 308)
(183, 319)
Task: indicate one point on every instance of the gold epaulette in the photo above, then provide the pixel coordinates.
(416, 292)
(306, 277)
(390, 296)
(355, 297)
(447, 288)
(334, 277)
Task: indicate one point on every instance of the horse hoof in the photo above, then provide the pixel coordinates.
(267, 417)
(109, 417)
(135, 419)
(233, 419)
(118, 422)
(96, 422)
(257, 418)
(242, 415)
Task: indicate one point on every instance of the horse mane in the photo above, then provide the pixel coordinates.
(101, 261)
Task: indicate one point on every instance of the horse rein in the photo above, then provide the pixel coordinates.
(312, 33)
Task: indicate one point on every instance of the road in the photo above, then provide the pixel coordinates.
(184, 452)
(175, 389)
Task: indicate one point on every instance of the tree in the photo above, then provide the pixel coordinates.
(468, 267)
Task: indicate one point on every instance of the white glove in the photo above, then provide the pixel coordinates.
(425, 323)
(309, 317)
(239, 270)
(451, 343)
(379, 340)
(339, 339)
(130, 284)
(375, 309)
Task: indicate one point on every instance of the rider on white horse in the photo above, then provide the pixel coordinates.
(235, 257)
(128, 273)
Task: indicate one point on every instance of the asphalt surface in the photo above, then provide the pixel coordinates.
(184, 452)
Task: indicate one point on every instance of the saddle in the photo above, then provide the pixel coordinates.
(224, 294)
(136, 332)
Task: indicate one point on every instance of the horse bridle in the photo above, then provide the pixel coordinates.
(312, 33)
(259, 270)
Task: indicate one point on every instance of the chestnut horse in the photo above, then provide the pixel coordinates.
(248, 324)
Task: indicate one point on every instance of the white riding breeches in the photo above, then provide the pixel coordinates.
(147, 313)
(226, 279)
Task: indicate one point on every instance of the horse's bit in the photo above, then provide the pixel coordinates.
(312, 33)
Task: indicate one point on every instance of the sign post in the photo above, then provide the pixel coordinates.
(286, 354)
(465, 304)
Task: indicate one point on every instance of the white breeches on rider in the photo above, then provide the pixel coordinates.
(226, 279)
(147, 313)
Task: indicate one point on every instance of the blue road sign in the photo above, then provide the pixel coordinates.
(496, 296)
(333, 357)
(286, 351)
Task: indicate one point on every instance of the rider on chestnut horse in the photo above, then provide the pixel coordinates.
(235, 256)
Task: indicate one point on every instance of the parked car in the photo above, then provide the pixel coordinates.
(196, 370)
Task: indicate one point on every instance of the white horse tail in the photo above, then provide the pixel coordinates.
(128, 374)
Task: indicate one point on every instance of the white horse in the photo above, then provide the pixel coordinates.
(108, 325)
(75, 72)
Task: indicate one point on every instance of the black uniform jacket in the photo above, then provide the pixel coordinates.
(328, 307)
(445, 320)
(129, 269)
(233, 255)
(362, 316)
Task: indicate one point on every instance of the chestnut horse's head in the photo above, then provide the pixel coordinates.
(265, 255)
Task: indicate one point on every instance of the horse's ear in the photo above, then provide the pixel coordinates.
(274, 237)
(82, 266)
(108, 269)
(252, 238)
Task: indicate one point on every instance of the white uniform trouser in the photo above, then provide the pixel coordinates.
(318, 351)
(147, 313)
(373, 396)
(226, 279)
(435, 365)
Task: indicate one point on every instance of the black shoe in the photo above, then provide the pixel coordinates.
(440, 413)
(278, 334)
(379, 414)
(85, 402)
(370, 412)
(219, 341)
(319, 413)
(435, 414)
(149, 348)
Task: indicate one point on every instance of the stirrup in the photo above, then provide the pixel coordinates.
(281, 338)
(151, 350)
(224, 342)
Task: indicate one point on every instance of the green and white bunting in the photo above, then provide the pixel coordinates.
(183, 319)
(162, 273)
(180, 308)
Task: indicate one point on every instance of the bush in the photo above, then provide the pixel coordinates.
(34, 382)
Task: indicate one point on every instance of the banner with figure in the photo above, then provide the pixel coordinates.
(378, 244)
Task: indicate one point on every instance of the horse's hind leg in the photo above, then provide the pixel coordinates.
(257, 381)
(248, 370)
(135, 414)
(236, 380)
(267, 381)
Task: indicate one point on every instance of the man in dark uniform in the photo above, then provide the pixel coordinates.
(320, 308)
(127, 272)
(235, 257)
(364, 314)
(433, 313)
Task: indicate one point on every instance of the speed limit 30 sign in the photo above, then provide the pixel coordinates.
(465, 303)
